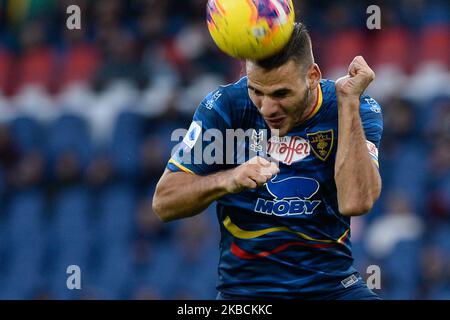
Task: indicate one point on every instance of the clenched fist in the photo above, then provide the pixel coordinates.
(251, 174)
(360, 75)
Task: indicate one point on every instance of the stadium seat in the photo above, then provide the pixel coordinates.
(79, 64)
(70, 239)
(77, 98)
(161, 269)
(25, 213)
(391, 47)
(67, 95)
(346, 45)
(434, 45)
(116, 214)
(37, 67)
(409, 173)
(116, 206)
(113, 280)
(69, 133)
(125, 145)
(439, 237)
(2, 189)
(24, 243)
(6, 63)
(28, 133)
(402, 268)
(183, 267)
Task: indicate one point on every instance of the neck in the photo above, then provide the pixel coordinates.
(311, 102)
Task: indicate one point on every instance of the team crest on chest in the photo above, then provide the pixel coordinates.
(322, 143)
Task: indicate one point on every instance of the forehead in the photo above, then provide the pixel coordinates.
(285, 76)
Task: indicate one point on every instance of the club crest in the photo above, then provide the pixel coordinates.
(321, 143)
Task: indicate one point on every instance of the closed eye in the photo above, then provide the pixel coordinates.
(281, 93)
(255, 91)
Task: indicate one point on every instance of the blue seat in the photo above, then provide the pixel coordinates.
(196, 277)
(440, 237)
(114, 277)
(23, 277)
(2, 186)
(173, 272)
(24, 216)
(27, 133)
(161, 270)
(126, 143)
(24, 245)
(72, 214)
(409, 173)
(71, 238)
(441, 292)
(117, 206)
(403, 270)
(69, 133)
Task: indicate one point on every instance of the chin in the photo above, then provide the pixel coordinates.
(279, 132)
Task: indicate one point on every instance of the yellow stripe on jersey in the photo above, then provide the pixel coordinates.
(318, 103)
(376, 163)
(341, 238)
(244, 234)
(181, 167)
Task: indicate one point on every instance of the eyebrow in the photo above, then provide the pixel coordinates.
(278, 92)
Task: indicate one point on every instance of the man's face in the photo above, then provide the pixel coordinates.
(281, 95)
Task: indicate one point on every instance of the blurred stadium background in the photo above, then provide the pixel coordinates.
(85, 123)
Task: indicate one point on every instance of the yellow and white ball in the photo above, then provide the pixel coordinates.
(250, 29)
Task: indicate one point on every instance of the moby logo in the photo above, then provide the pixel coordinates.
(291, 196)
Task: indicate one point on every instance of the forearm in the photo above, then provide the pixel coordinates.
(357, 179)
(180, 195)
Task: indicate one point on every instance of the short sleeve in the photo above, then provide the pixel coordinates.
(201, 150)
(372, 121)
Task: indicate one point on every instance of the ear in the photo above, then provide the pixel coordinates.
(313, 76)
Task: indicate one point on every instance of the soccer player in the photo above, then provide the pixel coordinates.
(285, 220)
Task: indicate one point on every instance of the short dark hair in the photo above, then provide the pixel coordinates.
(298, 48)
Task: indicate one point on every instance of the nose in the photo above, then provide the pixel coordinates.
(269, 108)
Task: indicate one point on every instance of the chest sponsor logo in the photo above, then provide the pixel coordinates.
(288, 149)
(322, 143)
(291, 196)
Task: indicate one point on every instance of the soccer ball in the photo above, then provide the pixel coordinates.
(250, 29)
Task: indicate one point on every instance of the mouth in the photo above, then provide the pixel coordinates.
(275, 122)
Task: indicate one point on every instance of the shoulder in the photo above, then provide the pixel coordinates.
(367, 103)
(236, 90)
(370, 105)
(328, 90)
(226, 95)
(226, 102)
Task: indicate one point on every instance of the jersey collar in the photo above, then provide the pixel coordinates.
(317, 104)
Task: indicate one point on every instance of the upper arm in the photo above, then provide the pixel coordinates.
(166, 202)
(169, 176)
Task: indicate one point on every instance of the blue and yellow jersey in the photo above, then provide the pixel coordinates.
(286, 238)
